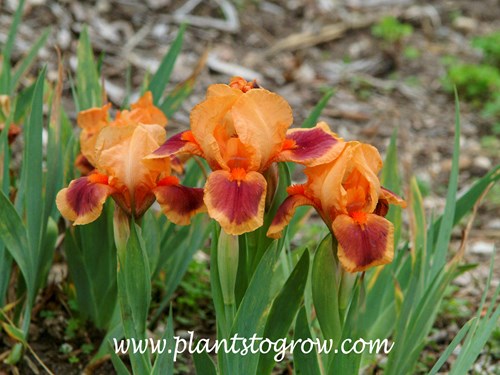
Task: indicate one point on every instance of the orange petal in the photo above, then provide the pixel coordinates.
(205, 117)
(145, 112)
(311, 147)
(236, 200)
(285, 213)
(120, 152)
(368, 156)
(179, 203)
(242, 84)
(324, 182)
(365, 241)
(94, 117)
(83, 165)
(92, 121)
(181, 143)
(362, 174)
(261, 119)
(82, 201)
(220, 89)
(391, 198)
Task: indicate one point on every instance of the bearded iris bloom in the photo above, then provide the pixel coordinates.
(349, 198)
(241, 129)
(115, 150)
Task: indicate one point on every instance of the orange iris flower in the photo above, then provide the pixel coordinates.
(115, 149)
(241, 129)
(348, 196)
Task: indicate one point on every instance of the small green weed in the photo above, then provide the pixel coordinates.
(490, 45)
(474, 82)
(391, 30)
(478, 83)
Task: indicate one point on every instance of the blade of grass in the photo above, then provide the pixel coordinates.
(204, 364)
(313, 117)
(253, 311)
(164, 363)
(467, 201)
(325, 290)
(305, 364)
(88, 87)
(446, 354)
(175, 98)
(29, 58)
(54, 157)
(23, 103)
(284, 309)
(468, 344)
(162, 76)
(31, 185)
(443, 238)
(390, 179)
(5, 74)
(5, 258)
(178, 263)
(14, 237)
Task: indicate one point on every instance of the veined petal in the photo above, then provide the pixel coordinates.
(83, 165)
(82, 201)
(365, 241)
(145, 112)
(311, 147)
(221, 89)
(179, 203)
(368, 156)
(325, 183)
(391, 198)
(92, 121)
(120, 152)
(204, 118)
(94, 117)
(285, 213)
(180, 143)
(236, 200)
(261, 119)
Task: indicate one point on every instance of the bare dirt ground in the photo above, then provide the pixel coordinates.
(300, 48)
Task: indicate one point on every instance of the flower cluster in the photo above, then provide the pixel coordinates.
(349, 198)
(114, 151)
(241, 130)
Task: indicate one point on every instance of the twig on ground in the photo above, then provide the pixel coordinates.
(231, 23)
(214, 63)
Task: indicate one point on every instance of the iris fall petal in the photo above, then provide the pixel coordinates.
(363, 242)
(236, 200)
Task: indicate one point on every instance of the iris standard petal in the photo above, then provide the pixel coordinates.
(204, 118)
(261, 119)
(92, 121)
